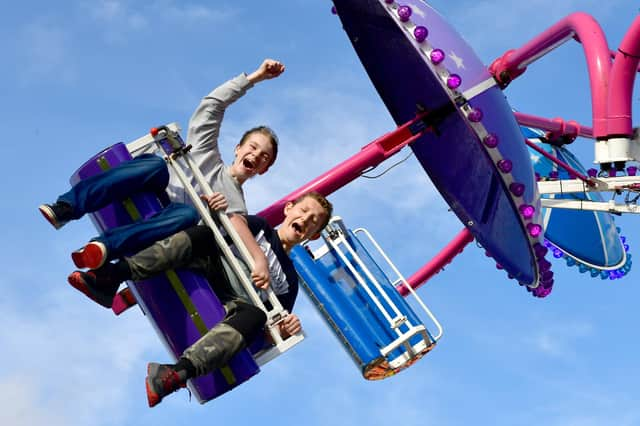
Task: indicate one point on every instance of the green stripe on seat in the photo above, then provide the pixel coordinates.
(174, 280)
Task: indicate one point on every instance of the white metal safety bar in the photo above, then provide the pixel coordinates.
(601, 184)
(402, 280)
(336, 236)
(277, 313)
(601, 206)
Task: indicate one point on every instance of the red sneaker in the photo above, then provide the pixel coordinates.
(161, 381)
(93, 255)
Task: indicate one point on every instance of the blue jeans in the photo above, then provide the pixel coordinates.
(145, 173)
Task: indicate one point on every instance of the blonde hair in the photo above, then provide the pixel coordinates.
(324, 203)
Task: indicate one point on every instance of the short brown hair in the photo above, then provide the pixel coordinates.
(268, 132)
(324, 203)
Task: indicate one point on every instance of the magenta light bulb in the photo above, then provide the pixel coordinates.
(454, 81)
(505, 165)
(388, 1)
(527, 211)
(516, 188)
(540, 250)
(490, 141)
(475, 115)
(420, 33)
(546, 276)
(436, 56)
(534, 229)
(404, 12)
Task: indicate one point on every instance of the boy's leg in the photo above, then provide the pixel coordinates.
(241, 324)
(147, 172)
(175, 251)
(133, 238)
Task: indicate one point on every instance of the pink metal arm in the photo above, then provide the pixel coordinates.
(370, 156)
(623, 74)
(436, 264)
(557, 126)
(588, 31)
(560, 163)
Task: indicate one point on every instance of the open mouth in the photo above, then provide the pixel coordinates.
(296, 227)
(248, 164)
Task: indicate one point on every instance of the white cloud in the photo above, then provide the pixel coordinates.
(560, 340)
(119, 19)
(69, 361)
(45, 51)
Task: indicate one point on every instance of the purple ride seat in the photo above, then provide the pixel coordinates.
(180, 304)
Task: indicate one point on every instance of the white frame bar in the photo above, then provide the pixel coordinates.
(275, 315)
(616, 185)
(403, 337)
(402, 280)
(609, 184)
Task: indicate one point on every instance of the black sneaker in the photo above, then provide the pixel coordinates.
(161, 381)
(57, 214)
(96, 284)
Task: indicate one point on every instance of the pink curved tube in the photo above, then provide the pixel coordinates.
(590, 34)
(554, 125)
(436, 264)
(623, 74)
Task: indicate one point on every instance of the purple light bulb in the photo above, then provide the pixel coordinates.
(436, 56)
(553, 175)
(534, 229)
(454, 81)
(592, 172)
(490, 141)
(404, 12)
(632, 170)
(420, 33)
(557, 253)
(516, 188)
(539, 250)
(388, 1)
(333, 10)
(475, 115)
(505, 165)
(527, 211)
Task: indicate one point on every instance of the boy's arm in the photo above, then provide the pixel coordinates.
(260, 272)
(204, 125)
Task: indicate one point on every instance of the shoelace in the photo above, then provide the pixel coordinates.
(171, 382)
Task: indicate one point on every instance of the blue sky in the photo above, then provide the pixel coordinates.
(78, 76)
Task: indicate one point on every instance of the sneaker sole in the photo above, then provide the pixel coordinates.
(152, 397)
(47, 213)
(91, 256)
(77, 282)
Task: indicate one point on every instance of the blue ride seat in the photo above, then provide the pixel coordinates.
(375, 324)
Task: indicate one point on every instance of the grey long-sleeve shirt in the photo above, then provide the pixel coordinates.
(204, 130)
